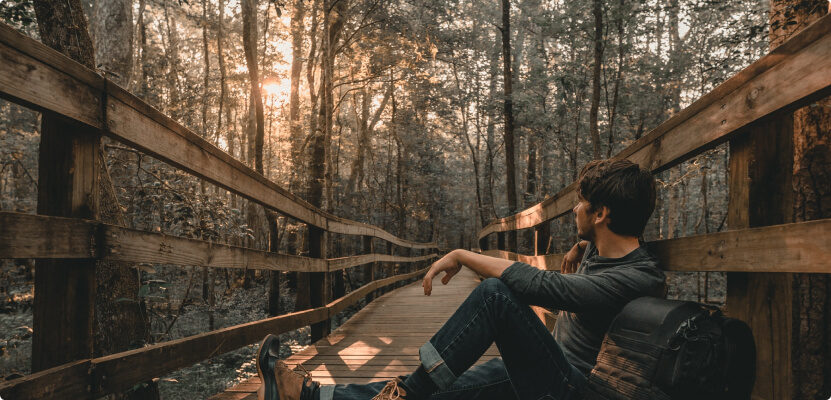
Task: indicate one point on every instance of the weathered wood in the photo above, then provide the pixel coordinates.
(68, 381)
(33, 236)
(542, 235)
(800, 247)
(336, 264)
(68, 178)
(380, 342)
(761, 166)
(120, 371)
(369, 270)
(37, 236)
(791, 76)
(36, 76)
(319, 282)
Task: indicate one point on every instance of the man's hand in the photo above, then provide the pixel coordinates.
(449, 264)
(572, 259)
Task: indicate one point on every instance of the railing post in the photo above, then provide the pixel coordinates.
(759, 187)
(542, 235)
(484, 244)
(369, 269)
(500, 240)
(390, 265)
(318, 281)
(68, 176)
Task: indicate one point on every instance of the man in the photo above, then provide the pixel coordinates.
(616, 198)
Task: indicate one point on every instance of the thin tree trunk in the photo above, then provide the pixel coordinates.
(597, 10)
(510, 154)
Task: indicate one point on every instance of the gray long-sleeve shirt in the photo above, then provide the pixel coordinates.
(588, 299)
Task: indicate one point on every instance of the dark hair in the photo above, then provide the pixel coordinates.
(625, 188)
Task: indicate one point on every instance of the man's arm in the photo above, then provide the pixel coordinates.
(451, 264)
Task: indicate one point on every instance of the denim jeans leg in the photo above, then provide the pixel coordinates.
(534, 361)
(488, 381)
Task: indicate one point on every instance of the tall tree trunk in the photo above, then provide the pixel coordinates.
(249, 39)
(811, 357)
(510, 153)
(597, 10)
(114, 38)
(206, 71)
(618, 78)
(223, 74)
(295, 123)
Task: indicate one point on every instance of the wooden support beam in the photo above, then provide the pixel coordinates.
(800, 247)
(542, 235)
(760, 185)
(369, 270)
(319, 282)
(68, 381)
(68, 175)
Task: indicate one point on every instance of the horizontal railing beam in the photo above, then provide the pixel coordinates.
(37, 236)
(800, 248)
(36, 76)
(792, 75)
(110, 374)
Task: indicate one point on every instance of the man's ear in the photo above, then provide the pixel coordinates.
(601, 215)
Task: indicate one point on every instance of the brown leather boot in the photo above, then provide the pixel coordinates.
(393, 391)
(279, 382)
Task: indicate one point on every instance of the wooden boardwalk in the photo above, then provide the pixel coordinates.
(381, 341)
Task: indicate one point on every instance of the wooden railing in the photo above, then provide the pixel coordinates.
(793, 75)
(33, 75)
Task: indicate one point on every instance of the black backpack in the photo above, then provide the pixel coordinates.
(659, 349)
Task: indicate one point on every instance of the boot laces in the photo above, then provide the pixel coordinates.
(390, 392)
(306, 374)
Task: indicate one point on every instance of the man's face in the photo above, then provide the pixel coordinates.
(585, 224)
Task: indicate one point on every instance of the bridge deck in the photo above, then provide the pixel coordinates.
(381, 341)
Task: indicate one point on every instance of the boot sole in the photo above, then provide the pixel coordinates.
(265, 366)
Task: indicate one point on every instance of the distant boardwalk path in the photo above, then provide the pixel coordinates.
(381, 341)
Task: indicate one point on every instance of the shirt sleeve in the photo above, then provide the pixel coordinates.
(605, 291)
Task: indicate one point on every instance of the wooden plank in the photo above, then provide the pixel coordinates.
(64, 304)
(33, 236)
(760, 183)
(37, 236)
(336, 264)
(120, 371)
(792, 75)
(69, 381)
(134, 245)
(319, 283)
(799, 247)
(36, 76)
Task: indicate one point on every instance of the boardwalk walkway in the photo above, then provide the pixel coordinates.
(381, 341)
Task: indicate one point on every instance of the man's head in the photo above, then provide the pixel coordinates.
(618, 192)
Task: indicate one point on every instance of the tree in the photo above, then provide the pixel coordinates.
(510, 152)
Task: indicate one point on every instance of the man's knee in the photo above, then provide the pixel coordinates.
(493, 285)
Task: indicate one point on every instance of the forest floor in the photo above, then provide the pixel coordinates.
(234, 305)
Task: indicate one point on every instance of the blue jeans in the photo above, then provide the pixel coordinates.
(532, 366)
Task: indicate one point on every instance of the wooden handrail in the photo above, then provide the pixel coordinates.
(792, 75)
(38, 236)
(104, 375)
(799, 247)
(36, 76)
